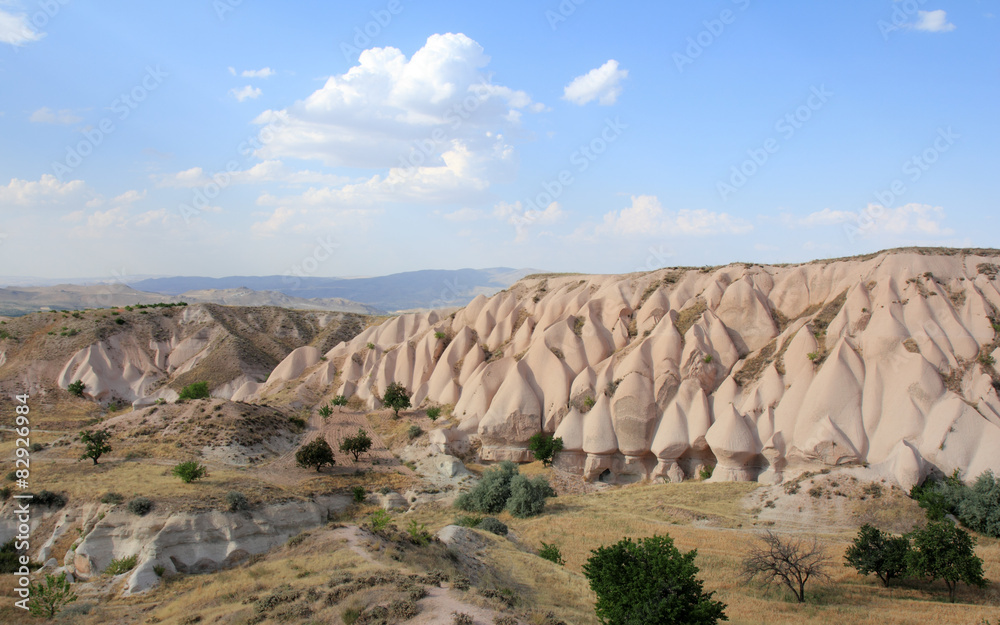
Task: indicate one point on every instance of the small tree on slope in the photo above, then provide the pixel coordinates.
(876, 552)
(396, 397)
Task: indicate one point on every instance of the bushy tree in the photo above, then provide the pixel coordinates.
(945, 551)
(527, 496)
(189, 471)
(940, 497)
(77, 388)
(198, 390)
(396, 397)
(649, 582)
(356, 445)
(791, 563)
(49, 598)
(325, 411)
(545, 446)
(490, 495)
(315, 454)
(95, 443)
(875, 551)
(551, 553)
(979, 509)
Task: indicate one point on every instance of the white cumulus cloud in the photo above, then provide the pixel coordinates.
(602, 84)
(48, 190)
(393, 111)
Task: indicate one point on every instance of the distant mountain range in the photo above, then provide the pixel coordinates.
(413, 290)
(400, 291)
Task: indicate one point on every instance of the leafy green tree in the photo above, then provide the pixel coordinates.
(198, 390)
(95, 443)
(315, 454)
(49, 598)
(528, 495)
(650, 582)
(396, 397)
(190, 471)
(77, 388)
(940, 497)
(979, 510)
(875, 551)
(945, 551)
(325, 411)
(356, 445)
(545, 447)
(490, 495)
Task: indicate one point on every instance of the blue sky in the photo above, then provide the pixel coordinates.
(228, 137)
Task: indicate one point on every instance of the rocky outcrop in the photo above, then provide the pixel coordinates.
(756, 370)
(192, 542)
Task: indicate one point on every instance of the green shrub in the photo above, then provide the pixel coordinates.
(490, 495)
(49, 499)
(589, 401)
(468, 521)
(112, 498)
(159, 569)
(551, 553)
(325, 411)
(189, 471)
(9, 558)
(339, 400)
(979, 509)
(49, 598)
(418, 533)
(414, 431)
(37, 447)
(120, 321)
(297, 422)
(545, 446)
(940, 497)
(492, 525)
(433, 413)
(706, 472)
(440, 335)
(379, 520)
(5, 493)
(77, 388)
(359, 494)
(527, 496)
(237, 501)
(140, 506)
(122, 565)
(198, 390)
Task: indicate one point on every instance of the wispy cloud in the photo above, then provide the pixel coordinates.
(933, 22)
(17, 30)
(646, 217)
(45, 115)
(246, 93)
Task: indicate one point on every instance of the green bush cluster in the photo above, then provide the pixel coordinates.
(189, 471)
(504, 488)
(976, 506)
(140, 506)
(237, 501)
(198, 390)
(492, 525)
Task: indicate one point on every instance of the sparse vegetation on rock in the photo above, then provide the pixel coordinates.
(545, 446)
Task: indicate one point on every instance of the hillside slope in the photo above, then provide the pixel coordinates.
(752, 370)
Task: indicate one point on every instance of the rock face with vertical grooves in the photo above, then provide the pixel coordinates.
(753, 370)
